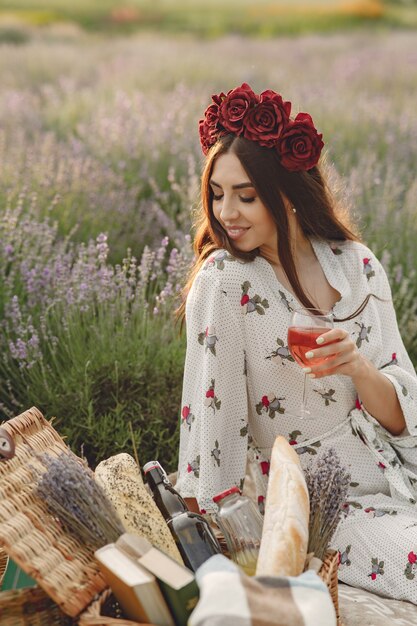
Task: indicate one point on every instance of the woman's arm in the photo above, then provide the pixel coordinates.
(214, 407)
(379, 398)
(387, 388)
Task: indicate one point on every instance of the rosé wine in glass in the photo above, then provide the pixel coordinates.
(302, 340)
(305, 327)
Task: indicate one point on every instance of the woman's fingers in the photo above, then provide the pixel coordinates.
(336, 347)
(335, 334)
(339, 352)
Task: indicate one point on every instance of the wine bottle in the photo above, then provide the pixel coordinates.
(195, 539)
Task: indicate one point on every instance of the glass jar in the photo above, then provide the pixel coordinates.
(241, 524)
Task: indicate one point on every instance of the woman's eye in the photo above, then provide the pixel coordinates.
(246, 199)
(217, 197)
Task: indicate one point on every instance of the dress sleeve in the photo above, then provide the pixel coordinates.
(395, 363)
(214, 407)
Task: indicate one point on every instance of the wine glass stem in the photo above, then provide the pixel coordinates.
(304, 402)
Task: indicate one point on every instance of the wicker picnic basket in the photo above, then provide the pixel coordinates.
(328, 574)
(34, 539)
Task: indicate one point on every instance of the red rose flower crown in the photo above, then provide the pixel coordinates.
(264, 118)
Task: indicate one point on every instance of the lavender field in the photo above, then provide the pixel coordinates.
(99, 169)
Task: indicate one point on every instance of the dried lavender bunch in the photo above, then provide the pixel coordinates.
(71, 493)
(328, 484)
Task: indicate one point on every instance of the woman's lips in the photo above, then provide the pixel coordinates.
(236, 233)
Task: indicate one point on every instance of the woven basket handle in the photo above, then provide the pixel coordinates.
(7, 448)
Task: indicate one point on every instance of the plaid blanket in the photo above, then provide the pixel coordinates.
(228, 597)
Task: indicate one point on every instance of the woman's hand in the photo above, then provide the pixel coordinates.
(376, 391)
(342, 356)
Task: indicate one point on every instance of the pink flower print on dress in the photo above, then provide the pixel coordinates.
(271, 405)
(194, 467)
(335, 249)
(284, 301)
(377, 568)
(211, 400)
(215, 453)
(362, 334)
(293, 441)
(265, 465)
(344, 556)
(254, 303)
(371, 512)
(281, 354)
(393, 361)
(351, 504)
(367, 268)
(358, 432)
(244, 429)
(186, 416)
(218, 260)
(208, 339)
(261, 504)
(327, 396)
(411, 567)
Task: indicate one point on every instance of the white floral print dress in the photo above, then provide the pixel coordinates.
(241, 384)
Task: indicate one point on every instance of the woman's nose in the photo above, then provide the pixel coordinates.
(229, 210)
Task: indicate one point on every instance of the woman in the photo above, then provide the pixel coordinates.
(269, 241)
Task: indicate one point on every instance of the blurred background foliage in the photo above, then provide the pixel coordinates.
(214, 18)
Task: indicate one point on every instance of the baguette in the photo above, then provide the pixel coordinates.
(121, 480)
(284, 540)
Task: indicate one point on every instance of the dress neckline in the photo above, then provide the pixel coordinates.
(332, 269)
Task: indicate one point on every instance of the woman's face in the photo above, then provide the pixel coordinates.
(238, 209)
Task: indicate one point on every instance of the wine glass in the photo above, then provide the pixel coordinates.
(305, 327)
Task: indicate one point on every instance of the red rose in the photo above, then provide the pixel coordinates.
(412, 557)
(234, 107)
(394, 356)
(358, 404)
(373, 576)
(265, 467)
(292, 442)
(211, 115)
(209, 127)
(203, 511)
(210, 393)
(208, 135)
(300, 145)
(189, 468)
(265, 400)
(245, 299)
(261, 499)
(381, 465)
(185, 412)
(266, 122)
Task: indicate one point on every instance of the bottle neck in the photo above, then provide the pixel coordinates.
(168, 501)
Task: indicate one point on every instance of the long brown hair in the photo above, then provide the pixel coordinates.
(316, 210)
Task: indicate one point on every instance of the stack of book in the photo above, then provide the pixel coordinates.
(149, 585)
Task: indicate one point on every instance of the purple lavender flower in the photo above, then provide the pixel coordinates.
(71, 493)
(328, 484)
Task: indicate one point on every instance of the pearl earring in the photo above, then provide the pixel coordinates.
(294, 210)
